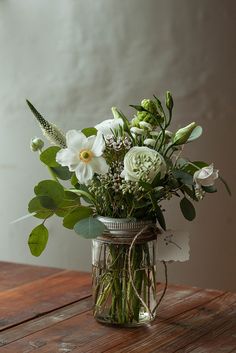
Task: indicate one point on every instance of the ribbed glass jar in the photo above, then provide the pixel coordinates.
(124, 278)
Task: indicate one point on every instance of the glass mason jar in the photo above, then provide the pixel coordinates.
(124, 272)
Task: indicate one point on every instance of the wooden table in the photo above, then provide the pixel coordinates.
(45, 310)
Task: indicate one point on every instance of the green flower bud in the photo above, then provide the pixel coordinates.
(169, 101)
(149, 105)
(182, 135)
(36, 144)
(116, 113)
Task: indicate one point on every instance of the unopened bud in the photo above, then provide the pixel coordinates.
(182, 135)
(169, 101)
(36, 144)
(149, 142)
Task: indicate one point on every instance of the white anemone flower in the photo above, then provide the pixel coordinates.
(83, 155)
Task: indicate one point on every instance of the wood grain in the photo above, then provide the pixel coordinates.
(51, 313)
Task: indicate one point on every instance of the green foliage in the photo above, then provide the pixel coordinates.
(48, 156)
(187, 209)
(36, 207)
(38, 240)
(183, 176)
(89, 228)
(52, 189)
(89, 131)
(76, 215)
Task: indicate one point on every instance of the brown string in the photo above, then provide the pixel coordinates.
(151, 313)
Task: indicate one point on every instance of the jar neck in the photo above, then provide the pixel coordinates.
(123, 230)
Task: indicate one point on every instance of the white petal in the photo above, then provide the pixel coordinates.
(75, 140)
(84, 172)
(68, 158)
(99, 165)
(98, 145)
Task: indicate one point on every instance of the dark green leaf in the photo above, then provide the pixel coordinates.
(189, 192)
(156, 180)
(41, 212)
(192, 167)
(226, 185)
(47, 202)
(160, 217)
(62, 173)
(38, 240)
(51, 189)
(210, 189)
(76, 215)
(183, 176)
(48, 156)
(187, 209)
(74, 181)
(89, 228)
(145, 186)
(89, 131)
(138, 108)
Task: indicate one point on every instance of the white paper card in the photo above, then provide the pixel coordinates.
(173, 245)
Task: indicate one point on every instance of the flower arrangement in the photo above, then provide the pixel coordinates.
(119, 168)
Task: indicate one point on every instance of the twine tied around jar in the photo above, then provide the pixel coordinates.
(139, 234)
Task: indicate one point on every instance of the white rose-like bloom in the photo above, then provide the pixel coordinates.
(83, 155)
(142, 162)
(206, 176)
(107, 126)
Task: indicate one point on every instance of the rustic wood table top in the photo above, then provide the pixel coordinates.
(46, 310)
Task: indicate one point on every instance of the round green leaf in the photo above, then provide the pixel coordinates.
(62, 173)
(187, 209)
(89, 131)
(36, 207)
(76, 215)
(48, 156)
(52, 189)
(89, 228)
(38, 240)
(47, 202)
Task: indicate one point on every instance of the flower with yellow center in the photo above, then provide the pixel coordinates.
(83, 155)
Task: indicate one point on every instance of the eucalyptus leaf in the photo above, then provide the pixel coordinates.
(89, 131)
(160, 217)
(62, 173)
(76, 215)
(36, 207)
(187, 209)
(47, 202)
(38, 240)
(52, 189)
(48, 156)
(183, 176)
(74, 181)
(89, 228)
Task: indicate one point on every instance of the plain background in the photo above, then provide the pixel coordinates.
(76, 59)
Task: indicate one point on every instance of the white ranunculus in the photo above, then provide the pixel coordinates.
(143, 163)
(107, 126)
(83, 155)
(206, 176)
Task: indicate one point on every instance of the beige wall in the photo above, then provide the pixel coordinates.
(74, 60)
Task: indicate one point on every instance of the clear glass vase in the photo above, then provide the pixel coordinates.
(124, 273)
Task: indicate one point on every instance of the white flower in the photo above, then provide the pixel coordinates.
(137, 130)
(149, 142)
(205, 176)
(106, 127)
(83, 155)
(145, 125)
(143, 163)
